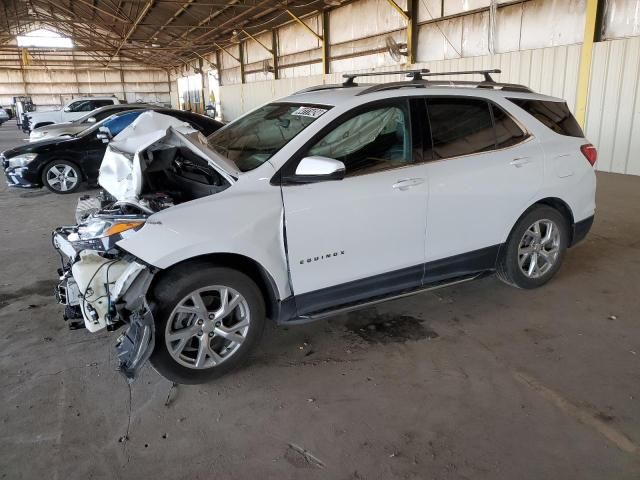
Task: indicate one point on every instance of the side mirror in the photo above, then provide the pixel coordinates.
(104, 134)
(67, 109)
(91, 120)
(318, 169)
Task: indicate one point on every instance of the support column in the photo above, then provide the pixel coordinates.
(585, 61)
(241, 60)
(274, 53)
(202, 88)
(326, 54)
(410, 18)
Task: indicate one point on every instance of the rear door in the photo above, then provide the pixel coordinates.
(483, 172)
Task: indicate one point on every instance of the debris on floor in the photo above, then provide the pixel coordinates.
(301, 458)
(374, 327)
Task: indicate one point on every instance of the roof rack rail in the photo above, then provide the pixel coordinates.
(349, 82)
(413, 74)
(485, 73)
(488, 82)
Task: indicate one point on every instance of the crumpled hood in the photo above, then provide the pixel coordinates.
(121, 171)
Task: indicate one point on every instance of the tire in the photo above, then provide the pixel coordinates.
(180, 337)
(62, 177)
(531, 257)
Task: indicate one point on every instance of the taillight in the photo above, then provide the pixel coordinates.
(590, 153)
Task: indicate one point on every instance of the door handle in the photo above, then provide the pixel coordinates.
(407, 183)
(520, 161)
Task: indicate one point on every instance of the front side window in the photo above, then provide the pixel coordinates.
(375, 140)
(459, 126)
(255, 138)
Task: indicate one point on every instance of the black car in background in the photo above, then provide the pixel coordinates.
(62, 164)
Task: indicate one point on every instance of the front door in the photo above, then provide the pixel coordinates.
(364, 235)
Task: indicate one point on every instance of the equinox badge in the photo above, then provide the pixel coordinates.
(326, 256)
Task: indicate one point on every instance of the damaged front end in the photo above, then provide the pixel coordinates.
(104, 287)
(154, 164)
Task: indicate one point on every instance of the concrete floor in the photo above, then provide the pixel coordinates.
(475, 382)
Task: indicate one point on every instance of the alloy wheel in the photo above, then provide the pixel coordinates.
(62, 177)
(539, 248)
(207, 327)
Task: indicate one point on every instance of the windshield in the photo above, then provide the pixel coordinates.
(255, 138)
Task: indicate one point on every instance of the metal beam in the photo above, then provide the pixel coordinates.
(274, 53)
(307, 27)
(585, 61)
(241, 50)
(326, 64)
(399, 9)
(257, 41)
(412, 31)
(227, 52)
(144, 11)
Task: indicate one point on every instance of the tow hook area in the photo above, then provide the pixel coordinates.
(135, 345)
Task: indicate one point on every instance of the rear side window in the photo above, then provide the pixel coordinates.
(459, 126)
(508, 132)
(555, 115)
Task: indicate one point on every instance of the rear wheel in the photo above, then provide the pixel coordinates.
(208, 320)
(61, 176)
(535, 248)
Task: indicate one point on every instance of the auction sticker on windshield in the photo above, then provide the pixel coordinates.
(309, 112)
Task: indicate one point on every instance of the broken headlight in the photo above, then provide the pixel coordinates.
(103, 233)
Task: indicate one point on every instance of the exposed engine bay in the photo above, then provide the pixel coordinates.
(101, 285)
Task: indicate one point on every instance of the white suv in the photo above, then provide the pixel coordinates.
(328, 200)
(72, 110)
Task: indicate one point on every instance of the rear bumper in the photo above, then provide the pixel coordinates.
(580, 230)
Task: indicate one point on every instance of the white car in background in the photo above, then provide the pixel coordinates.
(82, 123)
(72, 110)
(331, 199)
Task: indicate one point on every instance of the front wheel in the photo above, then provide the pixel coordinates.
(208, 319)
(61, 176)
(535, 248)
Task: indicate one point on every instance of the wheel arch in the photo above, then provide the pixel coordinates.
(42, 124)
(555, 203)
(242, 263)
(62, 156)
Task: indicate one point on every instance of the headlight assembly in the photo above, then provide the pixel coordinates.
(21, 160)
(102, 234)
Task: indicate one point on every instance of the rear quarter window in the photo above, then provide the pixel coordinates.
(554, 115)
